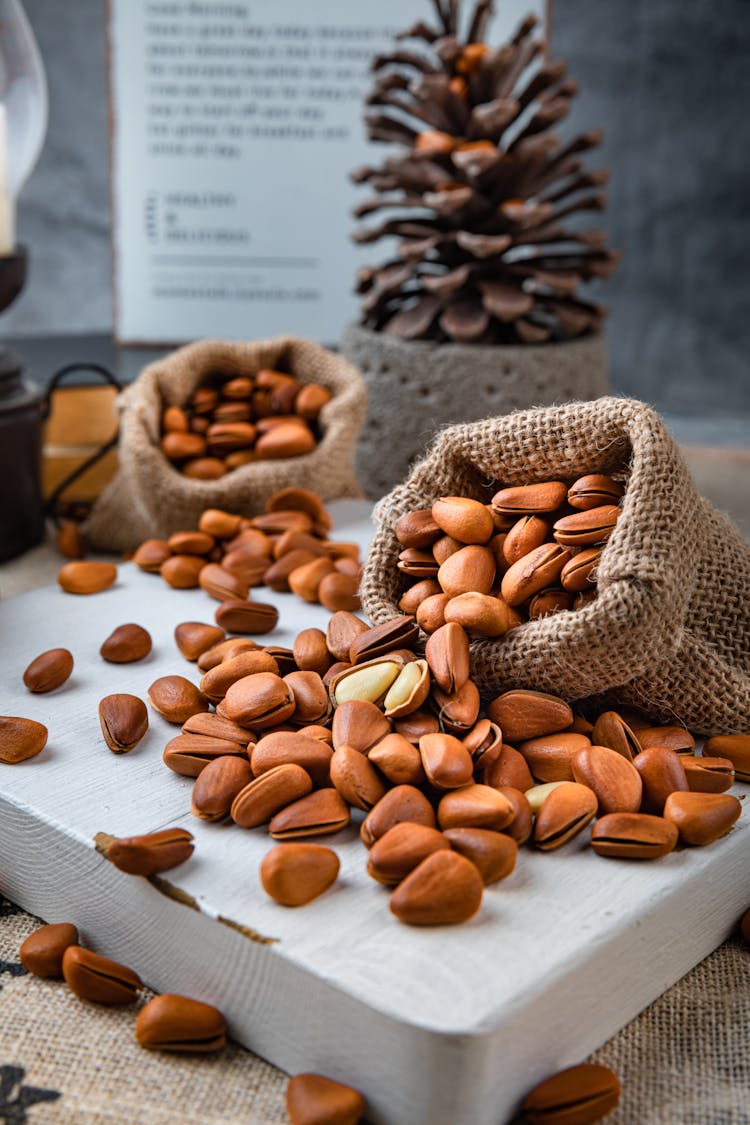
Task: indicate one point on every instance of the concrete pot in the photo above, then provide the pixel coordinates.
(416, 388)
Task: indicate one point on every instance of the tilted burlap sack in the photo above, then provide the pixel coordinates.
(148, 497)
(670, 629)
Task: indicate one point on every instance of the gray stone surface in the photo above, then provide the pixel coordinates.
(415, 388)
(668, 81)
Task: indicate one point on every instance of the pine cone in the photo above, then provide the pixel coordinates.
(479, 198)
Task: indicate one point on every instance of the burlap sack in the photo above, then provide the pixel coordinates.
(670, 629)
(148, 497)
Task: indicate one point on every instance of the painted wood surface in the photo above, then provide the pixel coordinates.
(436, 1026)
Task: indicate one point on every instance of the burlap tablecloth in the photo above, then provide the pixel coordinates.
(684, 1061)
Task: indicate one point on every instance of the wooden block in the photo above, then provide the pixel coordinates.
(436, 1026)
(81, 420)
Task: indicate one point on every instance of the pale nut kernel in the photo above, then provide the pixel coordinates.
(295, 874)
(369, 682)
(408, 691)
(538, 794)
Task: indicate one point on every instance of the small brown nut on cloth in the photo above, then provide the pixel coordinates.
(177, 1023)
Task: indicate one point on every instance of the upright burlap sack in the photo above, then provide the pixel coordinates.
(670, 629)
(149, 497)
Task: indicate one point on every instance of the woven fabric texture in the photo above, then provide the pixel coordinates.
(65, 1062)
(670, 629)
(148, 497)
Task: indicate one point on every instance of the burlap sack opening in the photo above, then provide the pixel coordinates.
(148, 497)
(670, 629)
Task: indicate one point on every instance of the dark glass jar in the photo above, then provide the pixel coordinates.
(21, 413)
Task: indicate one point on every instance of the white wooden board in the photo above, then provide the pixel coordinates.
(436, 1026)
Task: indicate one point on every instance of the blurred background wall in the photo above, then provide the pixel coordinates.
(667, 80)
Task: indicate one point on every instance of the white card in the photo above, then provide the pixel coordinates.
(235, 126)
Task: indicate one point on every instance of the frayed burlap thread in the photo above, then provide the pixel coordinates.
(149, 497)
(670, 629)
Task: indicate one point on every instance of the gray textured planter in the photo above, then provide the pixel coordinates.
(414, 389)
